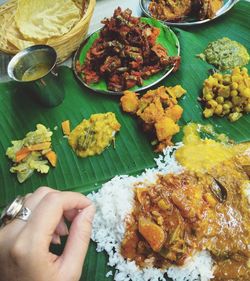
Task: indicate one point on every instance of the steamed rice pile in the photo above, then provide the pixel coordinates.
(114, 202)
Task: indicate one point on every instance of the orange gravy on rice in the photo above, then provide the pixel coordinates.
(193, 211)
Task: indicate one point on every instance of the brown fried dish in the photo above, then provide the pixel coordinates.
(125, 53)
(189, 212)
(175, 10)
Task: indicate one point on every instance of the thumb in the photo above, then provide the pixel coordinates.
(76, 247)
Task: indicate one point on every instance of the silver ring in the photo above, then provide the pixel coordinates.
(10, 212)
(23, 214)
(15, 210)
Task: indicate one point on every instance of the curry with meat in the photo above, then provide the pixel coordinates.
(178, 10)
(192, 211)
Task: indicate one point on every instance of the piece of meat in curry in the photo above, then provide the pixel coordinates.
(189, 212)
(175, 10)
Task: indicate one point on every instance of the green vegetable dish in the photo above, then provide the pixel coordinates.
(225, 54)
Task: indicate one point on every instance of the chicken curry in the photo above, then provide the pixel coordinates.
(192, 211)
(169, 10)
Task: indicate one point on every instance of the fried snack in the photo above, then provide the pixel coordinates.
(158, 111)
(177, 10)
(125, 53)
(5, 21)
(15, 37)
(43, 19)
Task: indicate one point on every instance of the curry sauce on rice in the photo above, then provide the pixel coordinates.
(176, 222)
(184, 213)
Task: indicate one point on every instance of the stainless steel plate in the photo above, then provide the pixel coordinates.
(172, 44)
(228, 4)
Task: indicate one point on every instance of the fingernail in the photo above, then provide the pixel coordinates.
(89, 212)
(56, 239)
(65, 230)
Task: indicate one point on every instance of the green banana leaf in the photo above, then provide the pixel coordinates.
(132, 152)
(166, 38)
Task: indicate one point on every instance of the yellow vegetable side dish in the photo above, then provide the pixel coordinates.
(207, 209)
(227, 95)
(159, 112)
(92, 136)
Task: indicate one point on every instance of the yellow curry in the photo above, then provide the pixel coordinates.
(92, 136)
(199, 155)
(36, 72)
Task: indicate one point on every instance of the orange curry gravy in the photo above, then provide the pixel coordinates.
(189, 212)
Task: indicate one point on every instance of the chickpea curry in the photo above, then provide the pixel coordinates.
(227, 94)
(192, 211)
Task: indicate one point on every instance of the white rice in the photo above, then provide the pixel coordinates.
(114, 201)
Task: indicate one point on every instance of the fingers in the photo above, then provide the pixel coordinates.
(49, 211)
(31, 201)
(77, 244)
(70, 214)
(61, 230)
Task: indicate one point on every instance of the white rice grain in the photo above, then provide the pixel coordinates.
(114, 201)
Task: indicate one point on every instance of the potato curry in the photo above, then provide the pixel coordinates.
(192, 211)
(92, 136)
(158, 112)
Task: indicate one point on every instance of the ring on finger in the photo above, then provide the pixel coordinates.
(16, 209)
(23, 214)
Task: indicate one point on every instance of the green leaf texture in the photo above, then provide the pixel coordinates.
(132, 153)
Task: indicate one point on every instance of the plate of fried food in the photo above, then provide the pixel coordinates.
(127, 53)
(187, 12)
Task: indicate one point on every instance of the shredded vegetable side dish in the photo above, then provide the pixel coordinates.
(33, 153)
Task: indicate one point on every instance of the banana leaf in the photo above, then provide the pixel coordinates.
(132, 152)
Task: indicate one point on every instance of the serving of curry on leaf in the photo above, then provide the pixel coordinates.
(195, 210)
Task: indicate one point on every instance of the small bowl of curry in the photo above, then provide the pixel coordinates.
(34, 69)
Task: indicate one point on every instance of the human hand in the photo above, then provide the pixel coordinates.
(24, 245)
